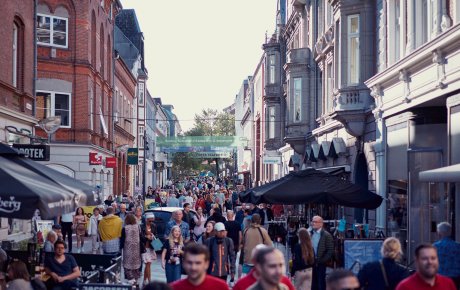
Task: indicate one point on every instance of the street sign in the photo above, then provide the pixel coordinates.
(271, 160)
(110, 162)
(209, 154)
(133, 156)
(34, 152)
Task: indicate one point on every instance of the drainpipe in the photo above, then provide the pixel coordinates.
(34, 85)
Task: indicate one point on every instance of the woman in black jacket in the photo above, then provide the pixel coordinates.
(386, 273)
(303, 260)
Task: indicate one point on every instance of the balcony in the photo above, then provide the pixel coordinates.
(351, 107)
(298, 56)
(272, 91)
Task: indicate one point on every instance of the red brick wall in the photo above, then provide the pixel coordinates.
(16, 98)
(80, 64)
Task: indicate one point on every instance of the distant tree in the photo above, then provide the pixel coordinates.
(207, 123)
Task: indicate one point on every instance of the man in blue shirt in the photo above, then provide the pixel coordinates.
(62, 268)
(448, 253)
(177, 221)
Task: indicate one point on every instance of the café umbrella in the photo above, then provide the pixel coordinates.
(312, 186)
(26, 185)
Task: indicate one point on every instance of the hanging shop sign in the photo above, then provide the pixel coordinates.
(110, 162)
(133, 156)
(34, 152)
(272, 160)
(159, 165)
(95, 158)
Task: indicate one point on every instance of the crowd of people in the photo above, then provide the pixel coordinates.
(218, 242)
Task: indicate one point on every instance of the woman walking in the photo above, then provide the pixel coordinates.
(303, 261)
(386, 273)
(209, 231)
(148, 231)
(132, 245)
(80, 220)
(200, 220)
(172, 255)
(93, 230)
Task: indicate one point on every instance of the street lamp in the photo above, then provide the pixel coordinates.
(50, 125)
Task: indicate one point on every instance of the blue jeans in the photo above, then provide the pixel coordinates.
(173, 272)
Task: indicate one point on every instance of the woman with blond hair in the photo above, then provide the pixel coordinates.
(171, 257)
(303, 260)
(386, 273)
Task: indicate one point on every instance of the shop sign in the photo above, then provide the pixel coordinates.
(133, 156)
(272, 159)
(34, 152)
(110, 162)
(159, 165)
(95, 158)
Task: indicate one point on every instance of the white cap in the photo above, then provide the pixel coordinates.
(149, 215)
(219, 227)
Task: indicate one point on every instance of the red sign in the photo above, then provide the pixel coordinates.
(110, 162)
(95, 158)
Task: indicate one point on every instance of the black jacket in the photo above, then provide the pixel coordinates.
(325, 251)
(371, 276)
(298, 264)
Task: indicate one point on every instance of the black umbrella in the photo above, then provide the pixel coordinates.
(312, 186)
(26, 185)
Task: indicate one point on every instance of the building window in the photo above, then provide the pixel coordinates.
(54, 104)
(329, 14)
(271, 122)
(141, 94)
(328, 97)
(15, 54)
(297, 99)
(395, 37)
(141, 137)
(353, 49)
(271, 69)
(52, 30)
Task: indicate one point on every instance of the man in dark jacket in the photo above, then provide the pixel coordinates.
(323, 245)
(216, 216)
(222, 254)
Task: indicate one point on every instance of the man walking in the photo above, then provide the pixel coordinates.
(323, 246)
(448, 253)
(233, 230)
(270, 268)
(177, 221)
(426, 277)
(222, 254)
(122, 213)
(196, 263)
(110, 230)
(253, 236)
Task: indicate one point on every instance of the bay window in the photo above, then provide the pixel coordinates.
(271, 69)
(52, 30)
(297, 96)
(271, 122)
(54, 104)
(353, 49)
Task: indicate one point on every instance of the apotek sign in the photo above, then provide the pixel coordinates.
(34, 152)
(110, 162)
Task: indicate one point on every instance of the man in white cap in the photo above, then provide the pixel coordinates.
(222, 254)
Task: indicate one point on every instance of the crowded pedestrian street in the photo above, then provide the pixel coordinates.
(243, 145)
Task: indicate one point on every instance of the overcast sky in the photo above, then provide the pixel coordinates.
(199, 52)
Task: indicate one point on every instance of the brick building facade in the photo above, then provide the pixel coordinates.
(75, 81)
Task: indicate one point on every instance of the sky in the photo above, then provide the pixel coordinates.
(198, 52)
